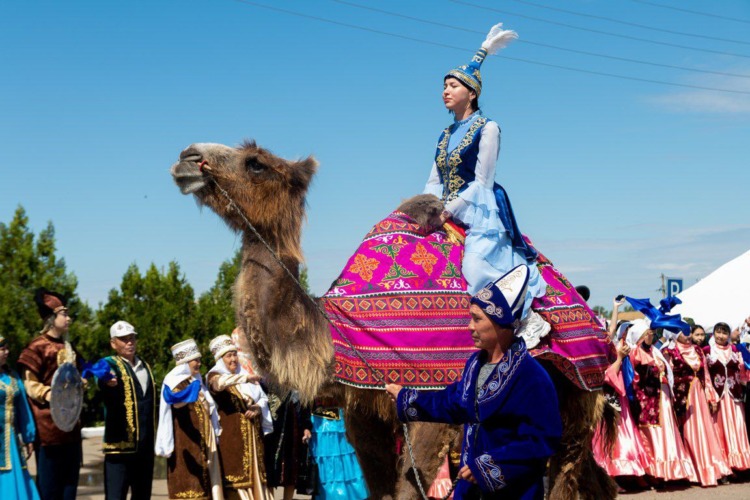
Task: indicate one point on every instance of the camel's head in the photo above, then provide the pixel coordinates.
(269, 191)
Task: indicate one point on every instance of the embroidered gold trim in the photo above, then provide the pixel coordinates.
(192, 494)
(204, 423)
(452, 182)
(8, 428)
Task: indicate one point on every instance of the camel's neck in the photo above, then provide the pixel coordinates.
(287, 334)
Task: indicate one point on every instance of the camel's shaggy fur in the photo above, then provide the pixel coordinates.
(290, 340)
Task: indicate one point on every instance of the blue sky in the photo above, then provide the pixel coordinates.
(615, 180)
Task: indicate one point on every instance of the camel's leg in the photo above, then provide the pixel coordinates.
(573, 470)
(430, 444)
(375, 443)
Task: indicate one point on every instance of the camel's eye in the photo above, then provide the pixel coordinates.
(253, 166)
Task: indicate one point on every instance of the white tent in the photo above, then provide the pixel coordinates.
(723, 295)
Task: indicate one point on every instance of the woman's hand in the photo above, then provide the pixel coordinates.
(465, 473)
(253, 379)
(306, 436)
(617, 303)
(393, 390)
(252, 412)
(29, 450)
(445, 216)
(714, 407)
(623, 350)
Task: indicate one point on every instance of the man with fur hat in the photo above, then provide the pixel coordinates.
(58, 453)
(129, 396)
(505, 399)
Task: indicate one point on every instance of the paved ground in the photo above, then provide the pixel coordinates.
(91, 485)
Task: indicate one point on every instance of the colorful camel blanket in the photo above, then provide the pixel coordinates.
(577, 344)
(401, 304)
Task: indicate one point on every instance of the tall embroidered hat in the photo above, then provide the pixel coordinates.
(221, 345)
(185, 351)
(49, 303)
(503, 299)
(469, 74)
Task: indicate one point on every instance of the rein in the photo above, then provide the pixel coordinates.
(203, 166)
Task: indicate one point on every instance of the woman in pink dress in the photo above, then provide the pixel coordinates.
(657, 424)
(691, 409)
(727, 373)
(628, 457)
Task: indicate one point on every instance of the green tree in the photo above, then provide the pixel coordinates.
(26, 263)
(159, 304)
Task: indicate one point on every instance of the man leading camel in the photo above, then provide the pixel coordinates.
(505, 400)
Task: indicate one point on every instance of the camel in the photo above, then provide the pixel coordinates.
(290, 340)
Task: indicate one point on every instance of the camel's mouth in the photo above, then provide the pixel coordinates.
(187, 172)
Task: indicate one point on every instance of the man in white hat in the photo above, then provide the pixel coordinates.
(505, 399)
(189, 429)
(129, 397)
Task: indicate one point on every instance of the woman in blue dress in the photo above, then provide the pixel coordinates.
(15, 419)
(463, 177)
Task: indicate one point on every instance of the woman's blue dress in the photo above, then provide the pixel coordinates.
(463, 177)
(16, 418)
(339, 472)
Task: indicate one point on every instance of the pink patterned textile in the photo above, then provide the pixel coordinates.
(401, 301)
(577, 345)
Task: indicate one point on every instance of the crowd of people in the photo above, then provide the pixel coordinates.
(681, 398)
(223, 436)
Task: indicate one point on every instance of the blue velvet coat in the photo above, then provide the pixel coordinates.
(511, 425)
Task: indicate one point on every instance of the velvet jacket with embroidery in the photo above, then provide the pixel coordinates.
(726, 377)
(131, 414)
(456, 169)
(511, 423)
(685, 375)
(647, 382)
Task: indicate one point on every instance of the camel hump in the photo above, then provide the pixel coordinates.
(425, 209)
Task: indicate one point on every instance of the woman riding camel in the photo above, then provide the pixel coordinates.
(463, 177)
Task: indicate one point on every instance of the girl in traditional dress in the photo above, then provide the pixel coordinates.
(628, 457)
(727, 373)
(463, 177)
(691, 385)
(189, 429)
(15, 481)
(698, 336)
(652, 384)
(243, 411)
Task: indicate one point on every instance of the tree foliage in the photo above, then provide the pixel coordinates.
(26, 263)
(160, 305)
(159, 302)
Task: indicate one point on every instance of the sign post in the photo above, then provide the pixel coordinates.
(674, 286)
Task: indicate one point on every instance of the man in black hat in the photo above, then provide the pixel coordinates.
(58, 453)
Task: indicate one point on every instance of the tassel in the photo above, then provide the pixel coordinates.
(498, 38)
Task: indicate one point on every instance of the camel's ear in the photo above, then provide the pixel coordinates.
(303, 172)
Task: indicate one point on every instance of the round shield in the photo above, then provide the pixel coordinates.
(66, 397)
